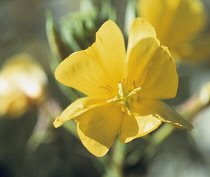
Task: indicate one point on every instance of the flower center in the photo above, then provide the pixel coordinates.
(124, 97)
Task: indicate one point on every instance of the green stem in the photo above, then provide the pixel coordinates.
(116, 162)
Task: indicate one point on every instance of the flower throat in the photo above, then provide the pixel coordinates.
(124, 97)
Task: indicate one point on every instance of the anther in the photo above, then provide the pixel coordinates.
(122, 91)
(135, 91)
(124, 97)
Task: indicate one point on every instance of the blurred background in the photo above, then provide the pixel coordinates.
(29, 144)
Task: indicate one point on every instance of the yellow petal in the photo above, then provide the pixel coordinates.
(77, 108)
(111, 50)
(142, 122)
(139, 29)
(147, 116)
(98, 128)
(97, 67)
(166, 114)
(174, 21)
(151, 67)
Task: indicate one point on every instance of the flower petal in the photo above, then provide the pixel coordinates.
(147, 116)
(139, 29)
(174, 21)
(140, 124)
(98, 128)
(167, 114)
(77, 108)
(137, 126)
(111, 49)
(151, 67)
(91, 70)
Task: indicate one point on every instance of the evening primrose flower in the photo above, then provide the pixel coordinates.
(22, 84)
(176, 22)
(123, 88)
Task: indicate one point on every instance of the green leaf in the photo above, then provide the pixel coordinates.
(58, 46)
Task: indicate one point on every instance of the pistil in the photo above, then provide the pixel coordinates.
(124, 97)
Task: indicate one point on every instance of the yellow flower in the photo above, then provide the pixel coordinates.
(176, 22)
(22, 83)
(123, 88)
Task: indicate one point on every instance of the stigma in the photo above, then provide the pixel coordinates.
(124, 97)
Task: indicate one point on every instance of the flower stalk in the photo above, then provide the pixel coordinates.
(116, 162)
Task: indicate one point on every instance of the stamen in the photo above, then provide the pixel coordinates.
(124, 97)
(125, 81)
(122, 91)
(103, 87)
(134, 92)
(109, 89)
(115, 99)
(134, 84)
